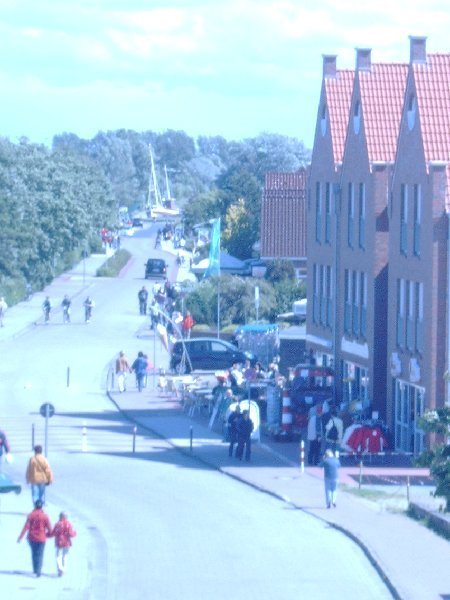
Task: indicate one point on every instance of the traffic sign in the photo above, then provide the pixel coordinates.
(47, 410)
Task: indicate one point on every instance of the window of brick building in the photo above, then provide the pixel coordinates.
(400, 312)
(419, 318)
(362, 216)
(318, 213)
(350, 214)
(417, 219)
(328, 213)
(403, 219)
(363, 304)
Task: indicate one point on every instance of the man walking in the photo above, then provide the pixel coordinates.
(233, 421)
(143, 298)
(140, 368)
(39, 528)
(38, 475)
(244, 432)
(47, 307)
(122, 368)
(315, 435)
(331, 466)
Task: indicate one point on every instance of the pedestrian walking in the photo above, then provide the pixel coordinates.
(3, 309)
(334, 430)
(315, 435)
(39, 528)
(47, 307)
(143, 298)
(232, 423)
(244, 433)
(4, 448)
(330, 466)
(187, 325)
(63, 532)
(65, 305)
(88, 307)
(122, 369)
(38, 475)
(139, 367)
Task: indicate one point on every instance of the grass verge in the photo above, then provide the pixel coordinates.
(114, 264)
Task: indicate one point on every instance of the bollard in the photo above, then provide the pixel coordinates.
(134, 438)
(68, 377)
(32, 437)
(407, 489)
(112, 379)
(360, 474)
(84, 437)
(191, 437)
(302, 456)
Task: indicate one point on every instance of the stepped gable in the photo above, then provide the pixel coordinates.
(382, 89)
(338, 91)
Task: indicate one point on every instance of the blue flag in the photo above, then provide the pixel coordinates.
(214, 251)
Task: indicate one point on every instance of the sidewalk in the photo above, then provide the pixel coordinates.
(411, 559)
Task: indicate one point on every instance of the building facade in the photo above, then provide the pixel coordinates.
(418, 251)
(378, 268)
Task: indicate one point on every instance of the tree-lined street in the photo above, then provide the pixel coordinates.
(167, 525)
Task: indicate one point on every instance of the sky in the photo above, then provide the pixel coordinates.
(234, 68)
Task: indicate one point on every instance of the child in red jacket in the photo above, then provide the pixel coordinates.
(62, 532)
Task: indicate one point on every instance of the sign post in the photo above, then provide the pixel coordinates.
(47, 410)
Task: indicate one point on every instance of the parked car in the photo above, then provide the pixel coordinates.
(208, 354)
(155, 267)
(137, 223)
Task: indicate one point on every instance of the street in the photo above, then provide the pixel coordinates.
(163, 525)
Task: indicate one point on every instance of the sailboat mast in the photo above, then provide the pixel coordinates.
(168, 196)
(153, 190)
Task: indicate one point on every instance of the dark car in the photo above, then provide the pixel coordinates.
(137, 223)
(155, 267)
(208, 354)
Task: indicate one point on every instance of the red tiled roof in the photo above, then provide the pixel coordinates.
(338, 91)
(283, 215)
(382, 96)
(433, 101)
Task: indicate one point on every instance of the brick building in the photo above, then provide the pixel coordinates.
(377, 236)
(418, 250)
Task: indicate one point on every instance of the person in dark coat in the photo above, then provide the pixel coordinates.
(233, 420)
(244, 432)
(140, 369)
(143, 298)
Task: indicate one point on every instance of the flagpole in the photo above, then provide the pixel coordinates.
(218, 288)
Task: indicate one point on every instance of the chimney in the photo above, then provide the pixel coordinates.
(329, 65)
(417, 49)
(363, 59)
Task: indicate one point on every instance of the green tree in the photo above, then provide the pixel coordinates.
(438, 458)
(279, 270)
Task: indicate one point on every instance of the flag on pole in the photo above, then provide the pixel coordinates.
(214, 251)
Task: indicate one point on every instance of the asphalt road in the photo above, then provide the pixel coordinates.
(162, 526)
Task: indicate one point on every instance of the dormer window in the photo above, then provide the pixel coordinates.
(357, 117)
(324, 119)
(411, 111)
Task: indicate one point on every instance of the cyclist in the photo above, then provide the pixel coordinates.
(66, 308)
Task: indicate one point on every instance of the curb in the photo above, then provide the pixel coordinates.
(366, 551)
